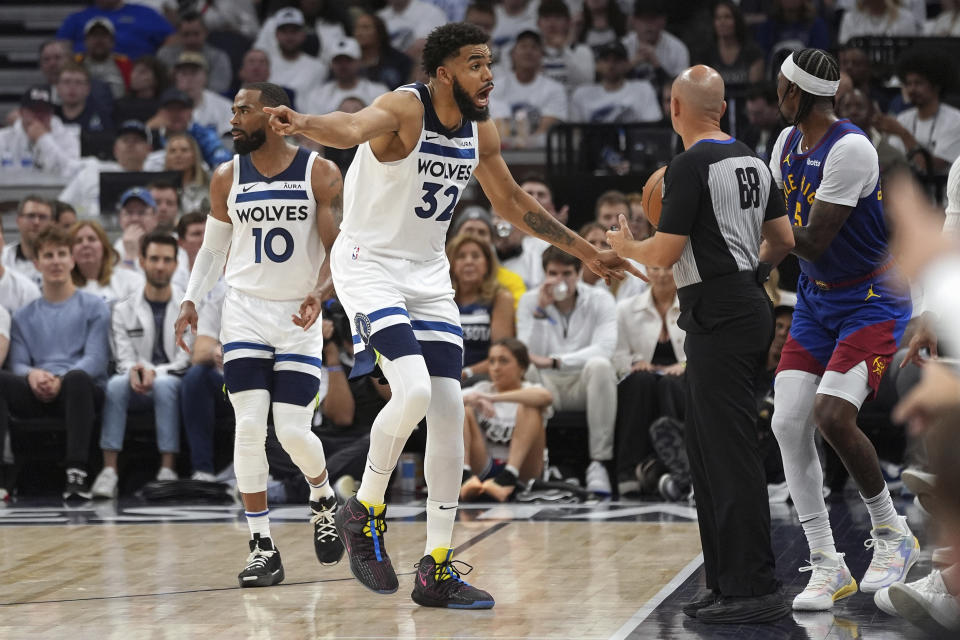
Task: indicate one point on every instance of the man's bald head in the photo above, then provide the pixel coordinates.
(700, 90)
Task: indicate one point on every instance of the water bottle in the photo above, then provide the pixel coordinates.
(560, 291)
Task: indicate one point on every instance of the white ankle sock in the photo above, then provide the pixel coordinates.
(259, 523)
(816, 528)
(881, 509)
(320, 491)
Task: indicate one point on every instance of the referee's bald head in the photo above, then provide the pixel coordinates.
(697, 98)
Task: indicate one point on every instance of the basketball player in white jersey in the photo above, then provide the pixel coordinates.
(274, 210)
(419, 146)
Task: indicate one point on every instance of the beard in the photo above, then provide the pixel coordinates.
(250, 142)
(468, 109)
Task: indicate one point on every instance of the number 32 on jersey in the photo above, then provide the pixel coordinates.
(431, 202)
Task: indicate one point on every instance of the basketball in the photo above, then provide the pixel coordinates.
(653, 196)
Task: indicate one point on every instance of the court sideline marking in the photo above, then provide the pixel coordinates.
(644, 612)
(466, 545)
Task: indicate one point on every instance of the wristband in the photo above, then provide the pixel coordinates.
(468, 372)
(334, 369)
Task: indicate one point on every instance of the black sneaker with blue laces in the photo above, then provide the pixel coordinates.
(440, 585)
(361, 529)
(263, 564)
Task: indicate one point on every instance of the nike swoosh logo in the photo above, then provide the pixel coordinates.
(429, 137)
(443, 508)
(423, 580)
(251, 186)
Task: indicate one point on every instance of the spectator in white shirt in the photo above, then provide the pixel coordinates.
(16, 289)
(137, 218)
(346, 82)
(149, 364)
(650, 47)
(210, 109)
(190, 230)
(315, 18)
(615, 99)
(568, 62)
(192, 34)
(38, 139)
(528, 102)
(34, 215)
(519, 252)
(130, 151)
(929, 125)
(95, 265)
(571, 330)
(513, 17)
(291, 67)
(601, 22)
(410, 22)
(877, 18)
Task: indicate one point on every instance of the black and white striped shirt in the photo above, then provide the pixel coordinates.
(718, 193)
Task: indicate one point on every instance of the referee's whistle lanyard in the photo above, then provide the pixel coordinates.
(931, 140)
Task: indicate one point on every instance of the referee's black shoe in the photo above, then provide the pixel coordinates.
(746, 609)
(263, 564)
(704, 599)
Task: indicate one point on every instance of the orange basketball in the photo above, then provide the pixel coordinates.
(652, 198)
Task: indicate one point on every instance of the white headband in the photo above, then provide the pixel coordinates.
(807, 82)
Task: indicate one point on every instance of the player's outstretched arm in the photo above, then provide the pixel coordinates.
(387, 114)
(522, 210)
(212, 255)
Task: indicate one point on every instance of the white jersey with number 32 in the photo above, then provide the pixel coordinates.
(276, 250)
(402, 209)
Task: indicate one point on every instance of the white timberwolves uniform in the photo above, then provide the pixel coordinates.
(389, 265)
(274, 261)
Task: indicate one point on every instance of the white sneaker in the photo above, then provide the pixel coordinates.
(830, 581)
(882, 599)
(598, 480)
(166, 474)
(105, 486)
(927, 604)
(895, 551)
(919, 482)
(202, 476)
(778, 492)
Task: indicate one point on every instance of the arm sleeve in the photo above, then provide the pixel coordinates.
(681, 197)
(602, 340)
(210, 260)
(850, 171)
(96, 351)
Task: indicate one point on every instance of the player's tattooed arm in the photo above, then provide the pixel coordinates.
(547, 227)
(825, 221)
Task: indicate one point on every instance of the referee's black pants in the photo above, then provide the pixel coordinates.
(729, 325)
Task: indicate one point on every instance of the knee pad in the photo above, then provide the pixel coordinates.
(794, 396)
(411, 393)
(292, 424)
(249, 454)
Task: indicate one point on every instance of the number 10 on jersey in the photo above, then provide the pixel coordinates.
(264, 243)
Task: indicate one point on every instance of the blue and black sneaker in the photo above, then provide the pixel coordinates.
(438, 584)
(361, 529)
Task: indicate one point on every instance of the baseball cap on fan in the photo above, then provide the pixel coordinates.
(37, 97)
(99, 21)
(138, 193)
(345, 47)
(290, 15)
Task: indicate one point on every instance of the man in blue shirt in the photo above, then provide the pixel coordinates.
(59, 348)
(140, 30)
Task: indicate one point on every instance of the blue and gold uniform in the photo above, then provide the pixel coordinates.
(852, 306)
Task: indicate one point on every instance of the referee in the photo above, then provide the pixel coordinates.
(719, 199)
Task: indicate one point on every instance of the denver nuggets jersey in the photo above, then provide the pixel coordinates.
(860, 246)
(276, 250)
(402, 209)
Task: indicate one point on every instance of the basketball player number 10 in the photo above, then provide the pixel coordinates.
(264, 244)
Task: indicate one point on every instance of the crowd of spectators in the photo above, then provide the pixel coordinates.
(146, 91)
